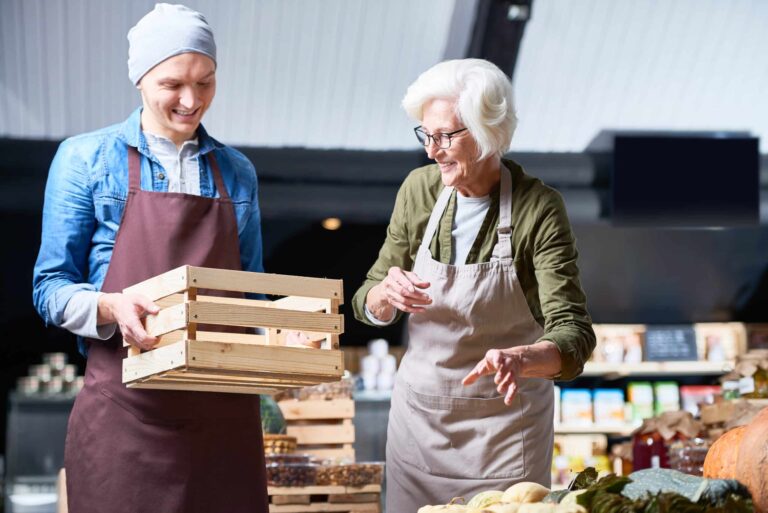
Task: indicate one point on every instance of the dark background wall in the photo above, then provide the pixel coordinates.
(639, 274)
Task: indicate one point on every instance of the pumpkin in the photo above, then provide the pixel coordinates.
(525, 492)
(721, 457)
(752, 461)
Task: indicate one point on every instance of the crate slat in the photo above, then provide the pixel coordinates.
(265, 283)
(294, 361)
(162, 285)
(323, 434)
(155, 361)
(259, 316)
(340, 453)
(204, 387)
(322, 490)
(167, 320)
(325, 506)
(317, 410)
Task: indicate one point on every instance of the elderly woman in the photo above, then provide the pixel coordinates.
(482, 257)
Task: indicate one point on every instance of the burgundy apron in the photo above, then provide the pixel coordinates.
(157, 451)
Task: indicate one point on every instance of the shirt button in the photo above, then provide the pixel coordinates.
(161, 176)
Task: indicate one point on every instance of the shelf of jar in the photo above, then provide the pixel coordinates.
(691, 368)
(619, 429)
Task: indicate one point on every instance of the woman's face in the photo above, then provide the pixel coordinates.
(457, 162)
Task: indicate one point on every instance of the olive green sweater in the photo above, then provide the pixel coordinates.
(543, 247)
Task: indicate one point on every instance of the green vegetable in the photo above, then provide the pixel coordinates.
(696, 489)
(272, 420)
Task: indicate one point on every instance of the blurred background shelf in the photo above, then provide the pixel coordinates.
(691, 368)
(607, 429)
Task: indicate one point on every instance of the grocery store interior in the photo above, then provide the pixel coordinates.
(310, 92)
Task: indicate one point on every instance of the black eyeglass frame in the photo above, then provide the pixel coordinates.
(418, 130)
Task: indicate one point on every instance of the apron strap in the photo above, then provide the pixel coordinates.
(134, 170)
(434, 218)
(217, 179)
(503, 248)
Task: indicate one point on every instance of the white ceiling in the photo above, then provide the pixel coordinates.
(331, 73)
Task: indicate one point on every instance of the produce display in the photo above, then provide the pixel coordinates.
(742, 453)
(291, 474)
(645, 491)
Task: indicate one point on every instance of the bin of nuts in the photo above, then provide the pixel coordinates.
(350, 474)
(291, 474)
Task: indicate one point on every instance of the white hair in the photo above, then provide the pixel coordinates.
(483, 95)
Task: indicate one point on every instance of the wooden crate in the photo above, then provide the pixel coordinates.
(190, 359)
(322, 428)
(304, 499)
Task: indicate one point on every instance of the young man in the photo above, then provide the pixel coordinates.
(123, 204)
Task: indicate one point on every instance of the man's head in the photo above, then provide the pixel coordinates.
(172, 61)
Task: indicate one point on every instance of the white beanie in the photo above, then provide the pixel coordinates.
(166, 31)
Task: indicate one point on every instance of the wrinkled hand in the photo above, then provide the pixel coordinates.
(400, 289)
(127, 310)
(506, 363)
(299, 338)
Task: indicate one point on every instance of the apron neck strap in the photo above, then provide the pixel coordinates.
(134, 170)
(217, 179)
(134, 173)
(503, 248)
(434, 218)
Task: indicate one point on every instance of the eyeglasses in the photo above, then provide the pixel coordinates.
(443, 141)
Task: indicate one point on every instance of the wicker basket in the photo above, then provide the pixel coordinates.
(279, 444)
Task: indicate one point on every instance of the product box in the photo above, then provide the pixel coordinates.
(618, 343)
(557, 404)
(608, 405)
(667, 394)
(693, 396)
(576, 406)
(641, 397)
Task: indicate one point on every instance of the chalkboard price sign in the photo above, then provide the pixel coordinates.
(670, 343)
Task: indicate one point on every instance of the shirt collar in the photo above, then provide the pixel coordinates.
(131, 133)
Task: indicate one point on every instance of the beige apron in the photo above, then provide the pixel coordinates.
(444, 439)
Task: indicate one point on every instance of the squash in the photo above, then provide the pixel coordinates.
(509, 507)
(721, 456)
(525, 492)
(484, 499)
(752, 460)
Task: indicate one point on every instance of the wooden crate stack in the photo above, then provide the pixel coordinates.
(324, 429)
(720, 417)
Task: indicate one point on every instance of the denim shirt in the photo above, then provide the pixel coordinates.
(85, 197)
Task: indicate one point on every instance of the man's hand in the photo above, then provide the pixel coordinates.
(400, 289)
(127, 310)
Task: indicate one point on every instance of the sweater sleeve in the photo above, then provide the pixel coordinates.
(563, 302)
(394, 252)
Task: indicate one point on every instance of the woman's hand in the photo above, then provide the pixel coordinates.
(127, 310)
(400, 289)
(539, 360)
(506, 363)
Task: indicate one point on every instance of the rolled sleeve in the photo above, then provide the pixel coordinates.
(563, 302)
(395, 252)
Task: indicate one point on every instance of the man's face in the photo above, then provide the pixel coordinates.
(176, 93)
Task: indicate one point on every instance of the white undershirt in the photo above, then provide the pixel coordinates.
(469, 217)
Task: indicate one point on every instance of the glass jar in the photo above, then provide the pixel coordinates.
(649, 450)
(688, 456)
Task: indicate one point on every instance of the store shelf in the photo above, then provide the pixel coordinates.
(620, 370)
(606, 429)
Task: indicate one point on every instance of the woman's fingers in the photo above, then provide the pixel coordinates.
(485, 366)
(402, 293)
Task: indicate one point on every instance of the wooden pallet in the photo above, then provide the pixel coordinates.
(212, 361)
(322, 428)
(305, 499)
